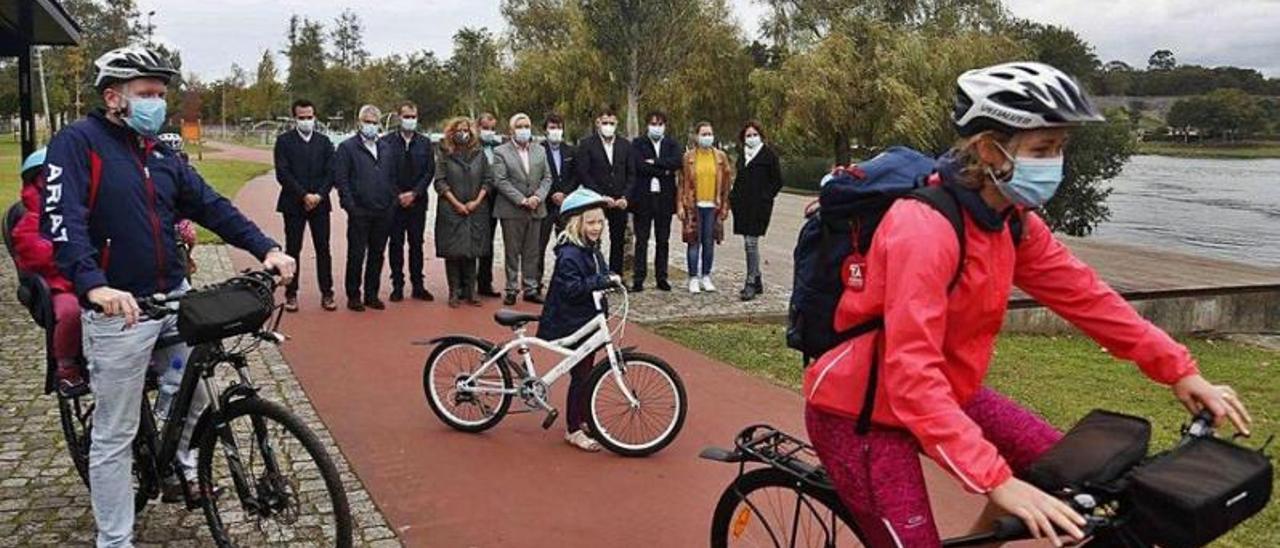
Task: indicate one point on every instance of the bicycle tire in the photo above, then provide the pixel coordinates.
(432, 389)
(731, 518)
(602, 377)
(257, 408)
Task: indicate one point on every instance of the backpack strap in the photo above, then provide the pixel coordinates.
(1015, 228)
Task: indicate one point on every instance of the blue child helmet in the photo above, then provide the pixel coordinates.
(34, 160)
(580, 201)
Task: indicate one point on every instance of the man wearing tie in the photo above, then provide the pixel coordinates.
(605, 165)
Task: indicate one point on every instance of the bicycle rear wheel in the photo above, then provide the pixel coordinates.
(636, 430)
(281, 486)
(76, 415)
(770, 508)
(444, 378)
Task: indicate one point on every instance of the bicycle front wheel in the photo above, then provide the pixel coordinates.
(452, 393)
(770, 508)
(644, 426)
(280, 486)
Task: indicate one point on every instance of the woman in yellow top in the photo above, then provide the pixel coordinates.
(704, 204)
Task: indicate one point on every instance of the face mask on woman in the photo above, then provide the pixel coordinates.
(705, 141)
(752, 141)
(1034, 180)
(462, 137)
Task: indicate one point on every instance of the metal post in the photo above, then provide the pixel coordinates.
(25, 110)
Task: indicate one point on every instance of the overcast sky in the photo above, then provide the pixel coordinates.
(214, 34)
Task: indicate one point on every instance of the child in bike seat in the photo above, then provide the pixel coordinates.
(917, 382)
(580, 269)
(35, 254)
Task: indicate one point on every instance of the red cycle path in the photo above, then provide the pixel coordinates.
(515, 485)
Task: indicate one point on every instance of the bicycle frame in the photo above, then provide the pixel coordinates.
(589, 338)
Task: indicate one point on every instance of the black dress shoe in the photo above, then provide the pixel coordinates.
(488, 292)
(637, 287)
(421, 294)
(375, 304)
(355, 305)
(532, 297)
(509, 300)
(663, 285)
(397, 294)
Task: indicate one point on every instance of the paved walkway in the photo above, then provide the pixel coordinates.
(515, 484)
(42, 500)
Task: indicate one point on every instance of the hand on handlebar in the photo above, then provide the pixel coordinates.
(114, 302)
(1043, 514)
(283, 265)
(1198, 394)
(615, 280)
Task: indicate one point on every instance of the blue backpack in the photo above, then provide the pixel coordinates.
(851, 206)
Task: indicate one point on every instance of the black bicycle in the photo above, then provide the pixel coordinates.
(281, 484)
(790, 501)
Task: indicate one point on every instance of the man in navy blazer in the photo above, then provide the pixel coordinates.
(606, 165)
(653, 198)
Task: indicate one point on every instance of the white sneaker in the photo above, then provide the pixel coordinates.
(694, 287)
(707, 285)
(582, 441)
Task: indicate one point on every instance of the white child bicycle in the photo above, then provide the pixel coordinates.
(636, 402)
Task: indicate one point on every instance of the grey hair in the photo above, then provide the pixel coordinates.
(377, 112)
(519, 116)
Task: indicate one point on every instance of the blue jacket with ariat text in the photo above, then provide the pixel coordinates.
(111, 200)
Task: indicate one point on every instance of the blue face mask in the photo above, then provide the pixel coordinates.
(146, 114)
(1034, 180)
(369, 131)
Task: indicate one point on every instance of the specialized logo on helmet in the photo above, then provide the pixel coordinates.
(1013, 118)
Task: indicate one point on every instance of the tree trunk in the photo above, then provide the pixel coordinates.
(842, 148)
(633, 94)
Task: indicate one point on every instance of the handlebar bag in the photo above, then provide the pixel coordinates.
(1197, 492)
(1098, 449)
(221, 311)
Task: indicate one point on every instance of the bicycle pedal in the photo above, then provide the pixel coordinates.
(550, 420)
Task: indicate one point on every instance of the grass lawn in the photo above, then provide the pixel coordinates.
(1239, 151)
(227, 176)
(1062, 378)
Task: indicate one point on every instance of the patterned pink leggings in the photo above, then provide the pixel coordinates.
(879, 478)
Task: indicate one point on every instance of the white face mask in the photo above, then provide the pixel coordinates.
(488, 136)
(608, 130)
(522, 135)
(656, 132)
(752, 141)
(705, 141)
(409, 124)
(307, 126)
(555, 136)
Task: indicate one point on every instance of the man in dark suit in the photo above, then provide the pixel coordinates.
(606, 165)
(412, 165)
(560, 158)
(653, 198)
(304, 169)
(368, 194)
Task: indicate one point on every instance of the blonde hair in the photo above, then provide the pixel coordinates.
(973, 174)
(452, 127)
(573, 230)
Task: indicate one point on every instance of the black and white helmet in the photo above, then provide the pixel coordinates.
(1020, 96)
(174, 140)
(130, 62)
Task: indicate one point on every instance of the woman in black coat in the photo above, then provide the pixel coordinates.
(758, 180)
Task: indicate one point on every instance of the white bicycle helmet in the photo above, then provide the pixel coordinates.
(1020, 96)
(174, 140)
(131, 62)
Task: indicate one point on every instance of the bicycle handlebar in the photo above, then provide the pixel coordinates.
(160, 305)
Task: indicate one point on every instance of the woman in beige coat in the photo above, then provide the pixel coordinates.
(703, 204)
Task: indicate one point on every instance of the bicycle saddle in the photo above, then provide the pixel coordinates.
(512, 318)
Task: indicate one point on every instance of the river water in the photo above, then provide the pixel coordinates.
(1226, 209)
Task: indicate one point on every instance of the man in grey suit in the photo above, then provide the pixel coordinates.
(522, 178)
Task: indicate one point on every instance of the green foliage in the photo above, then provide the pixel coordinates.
(1162, 59)
(1224, 113)
(1095, 154)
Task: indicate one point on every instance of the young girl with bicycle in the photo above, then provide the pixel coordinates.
(580, 269)
(934, 349)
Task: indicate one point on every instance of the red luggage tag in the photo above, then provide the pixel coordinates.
(855, 270)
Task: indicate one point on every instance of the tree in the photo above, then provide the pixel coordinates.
(423, 79)
(266, 96)
(1115, 78)
(1223, 113)
(1162, 59)
(1060, 47)
(305, 52)
(642, 43)
(348, 41)
(799, 24)
(474, 66)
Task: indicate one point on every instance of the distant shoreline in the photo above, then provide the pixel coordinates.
(1253, 151)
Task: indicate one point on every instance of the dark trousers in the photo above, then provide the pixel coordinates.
(294, 227)
(366, 248)
(617, 238)
(461, 275)
(575, 405)
(549, 224)
(408, 224)
(661, 225)
(484, 277)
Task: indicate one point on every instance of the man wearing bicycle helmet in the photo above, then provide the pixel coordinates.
(111, 200)
(919, 379)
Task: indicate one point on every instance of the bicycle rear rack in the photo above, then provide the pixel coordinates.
(768, 445)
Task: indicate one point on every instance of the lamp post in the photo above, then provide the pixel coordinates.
(150, 28)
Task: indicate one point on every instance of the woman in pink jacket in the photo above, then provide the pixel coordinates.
(935, 348)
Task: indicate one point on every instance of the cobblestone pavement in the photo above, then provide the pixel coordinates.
(43, 502)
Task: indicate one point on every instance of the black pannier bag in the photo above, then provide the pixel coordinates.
(1195, 493)
(217, 312)
(1098, 449)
